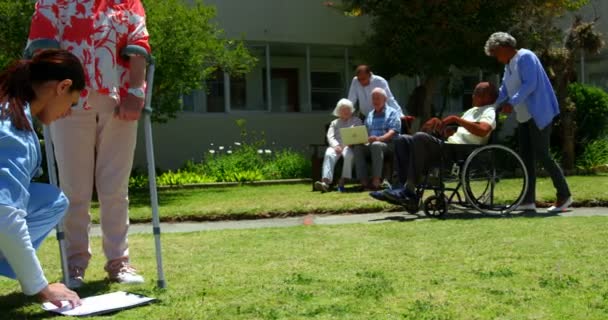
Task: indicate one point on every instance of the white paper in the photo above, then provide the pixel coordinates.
(99, 304)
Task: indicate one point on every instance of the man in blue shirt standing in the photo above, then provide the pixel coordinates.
(527, 90)
(383, 124)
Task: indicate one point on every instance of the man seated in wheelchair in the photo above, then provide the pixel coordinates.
(416, 154)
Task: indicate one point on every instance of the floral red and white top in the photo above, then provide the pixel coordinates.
(95, 31)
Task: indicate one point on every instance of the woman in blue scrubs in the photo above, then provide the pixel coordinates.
(45, 87)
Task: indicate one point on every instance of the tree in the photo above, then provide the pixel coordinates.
(187, 45)
(15, 17)
(188, 48)
(427, 37)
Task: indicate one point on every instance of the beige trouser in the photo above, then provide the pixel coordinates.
(92, 147)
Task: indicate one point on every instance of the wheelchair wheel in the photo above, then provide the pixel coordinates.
(435, 206)
(494, 179)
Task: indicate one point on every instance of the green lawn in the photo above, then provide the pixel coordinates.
(287, 200)
(518, 268)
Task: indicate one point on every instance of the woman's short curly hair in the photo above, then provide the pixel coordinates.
(499, 39)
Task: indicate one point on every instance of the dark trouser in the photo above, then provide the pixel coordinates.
(533, 146)
(418, 153)
(414, 155)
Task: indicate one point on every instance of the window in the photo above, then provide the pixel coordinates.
(326, 89)
(213, 100)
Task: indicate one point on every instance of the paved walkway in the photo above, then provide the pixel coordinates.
(332, 220)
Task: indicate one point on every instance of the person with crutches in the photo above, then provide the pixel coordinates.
(45, 87)
(95, 144)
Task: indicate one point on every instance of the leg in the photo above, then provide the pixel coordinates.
(74, 141)
(347, 166)
(115, 149)
(425, 150)
(329, 162)
(526, 151)
(361, 151)
(46, 208)
(540, 143)
(402, 156)
(378, 150)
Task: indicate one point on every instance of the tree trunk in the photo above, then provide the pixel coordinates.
(568, 133)
(430, 84)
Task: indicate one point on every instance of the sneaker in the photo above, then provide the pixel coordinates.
(321, 186)
(341, 189)
(379, 195)
(76, 279)
(560, 205)
(399, 196)
(526, 207)
(121, 271)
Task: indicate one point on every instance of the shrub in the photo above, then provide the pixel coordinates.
(287, 164)
(595, 155)
(591, 113)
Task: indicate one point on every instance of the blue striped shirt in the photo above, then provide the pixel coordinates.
(379, 123)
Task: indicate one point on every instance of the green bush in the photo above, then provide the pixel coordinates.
(287, 164)
(595, 155)
(591, 113)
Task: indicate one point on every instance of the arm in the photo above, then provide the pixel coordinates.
(394, 127)
(528, 76)
(352, 92)
(130, 107)
(331, 135)
(391, 101)
(502, 91)
(44, 32)
(17, 248)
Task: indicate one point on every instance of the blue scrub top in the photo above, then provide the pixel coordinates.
(20, 160)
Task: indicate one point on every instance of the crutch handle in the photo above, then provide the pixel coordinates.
(134, 50)
(39, 44)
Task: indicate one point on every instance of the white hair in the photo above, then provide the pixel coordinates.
(343, 103)
(380, 91)
(499, 39)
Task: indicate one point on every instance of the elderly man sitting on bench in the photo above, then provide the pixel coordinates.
(416, 153)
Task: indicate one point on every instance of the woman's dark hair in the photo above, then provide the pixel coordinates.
(18, 80)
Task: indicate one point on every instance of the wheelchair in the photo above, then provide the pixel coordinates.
(491, 179)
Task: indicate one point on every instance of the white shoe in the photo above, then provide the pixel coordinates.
(121, 271)
(527, 207)
(560, 206)
(76, 279)
(321, 186)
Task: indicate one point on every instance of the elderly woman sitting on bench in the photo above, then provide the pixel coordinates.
(416, 153)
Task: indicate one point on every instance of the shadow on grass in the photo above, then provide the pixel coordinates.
(464, 214)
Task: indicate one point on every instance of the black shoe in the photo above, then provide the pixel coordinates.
(379, 195)
(400, 196)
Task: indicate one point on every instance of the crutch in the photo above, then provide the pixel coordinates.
(133, 50)
(50, 159)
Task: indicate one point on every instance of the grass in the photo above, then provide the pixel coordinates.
(289, 200)
(518, 268)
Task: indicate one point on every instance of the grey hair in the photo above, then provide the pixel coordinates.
(499, 39)
(380, 91)
(341, 104)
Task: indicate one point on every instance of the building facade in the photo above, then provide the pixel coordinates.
(306, 58)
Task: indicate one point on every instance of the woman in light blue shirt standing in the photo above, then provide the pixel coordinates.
(527, 90)
(45, 87)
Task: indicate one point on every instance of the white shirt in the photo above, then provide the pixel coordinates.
(485, 114)
(512, 82)
(363, 94)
